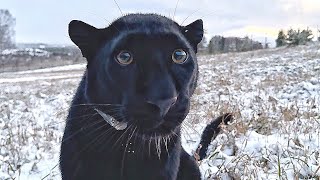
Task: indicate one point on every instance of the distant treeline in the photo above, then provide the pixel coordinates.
(220, 44)
(294, 37)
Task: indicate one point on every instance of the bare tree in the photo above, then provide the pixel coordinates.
(7, 23)
(202, 46)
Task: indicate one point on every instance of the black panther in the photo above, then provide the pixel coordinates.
(141, 73)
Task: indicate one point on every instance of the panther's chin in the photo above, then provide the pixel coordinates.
(161, 129)
(155, 133)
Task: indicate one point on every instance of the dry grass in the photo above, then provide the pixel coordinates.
(247, 84)
(253, 86)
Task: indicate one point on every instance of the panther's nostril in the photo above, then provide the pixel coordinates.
(164, 105)
(154, 105)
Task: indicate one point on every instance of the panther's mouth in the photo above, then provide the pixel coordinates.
(112, 121)
(149, 121)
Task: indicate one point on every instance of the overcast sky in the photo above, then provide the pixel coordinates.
(47, 20)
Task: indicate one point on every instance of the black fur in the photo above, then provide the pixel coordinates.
(152, 94)
(210, 132)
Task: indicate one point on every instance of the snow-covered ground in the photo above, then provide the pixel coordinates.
(274, 95)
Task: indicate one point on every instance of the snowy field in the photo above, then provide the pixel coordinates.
(274, 95)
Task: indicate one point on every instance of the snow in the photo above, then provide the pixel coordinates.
(55, 69)
(274, 96)
(35, 78)
(62, 72)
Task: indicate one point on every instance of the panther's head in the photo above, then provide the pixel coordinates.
(142, 67)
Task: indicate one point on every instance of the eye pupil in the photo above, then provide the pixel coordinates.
(179, 56)
(124, 58)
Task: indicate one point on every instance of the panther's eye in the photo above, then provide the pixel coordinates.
(124, 58)
(179, 56)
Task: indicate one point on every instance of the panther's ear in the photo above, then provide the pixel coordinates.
(84, 36)
(194, 33)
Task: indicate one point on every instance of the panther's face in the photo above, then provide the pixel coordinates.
(142, 67)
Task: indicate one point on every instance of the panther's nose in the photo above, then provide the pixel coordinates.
(164, 104)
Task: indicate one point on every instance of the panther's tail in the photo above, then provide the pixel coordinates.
(210, 133)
